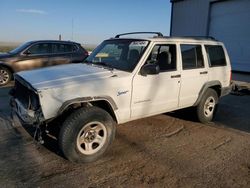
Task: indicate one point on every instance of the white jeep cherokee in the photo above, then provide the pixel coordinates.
(123, 79)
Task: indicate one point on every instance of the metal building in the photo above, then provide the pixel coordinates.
(225, 20)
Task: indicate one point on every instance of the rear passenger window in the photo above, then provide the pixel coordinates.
(67, 48)
(216, 56)
(61, 48)
(191, 56)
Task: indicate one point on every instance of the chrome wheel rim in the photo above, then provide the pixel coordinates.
(209, 106)
(4, 76)
(91, 138)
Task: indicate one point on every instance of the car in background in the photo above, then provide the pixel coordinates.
(37, 54)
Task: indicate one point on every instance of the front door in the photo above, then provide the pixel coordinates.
(158, 93)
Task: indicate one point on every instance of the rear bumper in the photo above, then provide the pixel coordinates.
(226, 90)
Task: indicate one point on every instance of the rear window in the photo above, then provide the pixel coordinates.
(191, 56)
(216, 56)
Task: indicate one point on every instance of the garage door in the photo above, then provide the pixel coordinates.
(230, 23)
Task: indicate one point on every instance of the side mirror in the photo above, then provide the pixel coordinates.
(27, 52)
(150, 69)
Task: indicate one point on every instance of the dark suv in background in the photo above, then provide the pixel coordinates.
(37, 54)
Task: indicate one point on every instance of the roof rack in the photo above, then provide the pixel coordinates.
(158, 34)
(200, 37)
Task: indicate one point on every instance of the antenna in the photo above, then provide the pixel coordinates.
(72, 29)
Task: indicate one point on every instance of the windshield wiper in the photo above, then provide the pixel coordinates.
(103, 64)
(87, 62)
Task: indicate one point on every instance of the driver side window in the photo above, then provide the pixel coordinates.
(164, 55)
(38, 49)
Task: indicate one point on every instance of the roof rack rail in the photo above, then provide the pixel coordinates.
(200, 37)
(158, 34)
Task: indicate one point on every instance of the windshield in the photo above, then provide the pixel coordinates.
(20, 48)
(122, 54)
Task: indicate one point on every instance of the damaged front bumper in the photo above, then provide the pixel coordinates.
(25, 103)
(26, 116)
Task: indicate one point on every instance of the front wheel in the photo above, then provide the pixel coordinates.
(5, 76)
(86, 134)
(207, 106)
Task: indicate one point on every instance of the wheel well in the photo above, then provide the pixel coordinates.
(54, 125)
(103, 104)
(7, 67)
(217, 88)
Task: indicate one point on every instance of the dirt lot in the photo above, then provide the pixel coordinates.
(146, 153)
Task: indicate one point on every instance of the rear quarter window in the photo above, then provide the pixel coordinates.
(216, 56)
(74, 47)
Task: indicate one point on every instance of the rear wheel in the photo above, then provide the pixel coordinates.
(207, 106)
(86, 134)
(5, 76)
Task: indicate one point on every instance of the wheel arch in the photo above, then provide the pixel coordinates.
(215, 85)
(104, 102)
(2, 64)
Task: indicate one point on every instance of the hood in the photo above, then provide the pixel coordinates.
(61, 75)
(5, 55)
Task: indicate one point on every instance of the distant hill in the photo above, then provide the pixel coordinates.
(89, 47)
(9, 43)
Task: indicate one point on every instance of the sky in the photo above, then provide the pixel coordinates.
(83, 21)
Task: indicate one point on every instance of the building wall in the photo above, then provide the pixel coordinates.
(226, 20)
(190, 17)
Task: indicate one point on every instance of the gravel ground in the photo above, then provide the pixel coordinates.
(168, 150)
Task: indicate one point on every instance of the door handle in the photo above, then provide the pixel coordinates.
(176, 76)
(204, 72)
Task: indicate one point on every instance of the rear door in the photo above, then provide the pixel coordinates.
(194, 73)
(61, 54)
(36, 56)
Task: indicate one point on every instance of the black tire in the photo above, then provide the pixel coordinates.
(205, 112)
(74, 127)
(5, 76)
